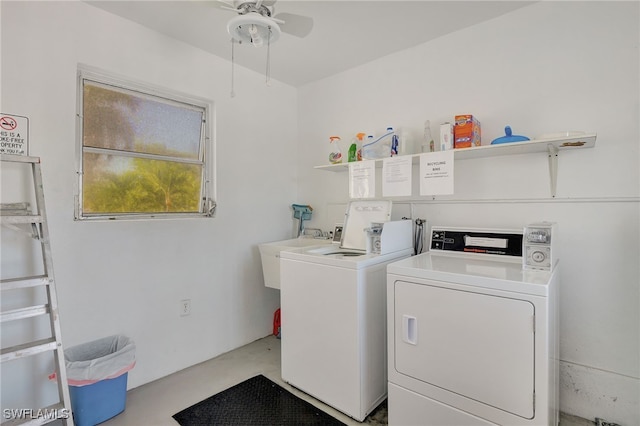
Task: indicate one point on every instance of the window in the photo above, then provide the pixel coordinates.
(143, 152)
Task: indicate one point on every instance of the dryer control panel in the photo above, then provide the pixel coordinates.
(501, 242)
(538, 248)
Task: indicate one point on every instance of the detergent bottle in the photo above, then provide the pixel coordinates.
(335, 155)
(367, 148)
(375, 148)
(395, 142)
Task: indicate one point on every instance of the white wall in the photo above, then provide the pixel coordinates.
(128, 277)
(549, 67)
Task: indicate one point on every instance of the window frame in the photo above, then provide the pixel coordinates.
(207, 207)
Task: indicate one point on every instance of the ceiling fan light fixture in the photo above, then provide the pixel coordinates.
(253, 28)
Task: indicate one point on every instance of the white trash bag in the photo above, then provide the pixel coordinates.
(101, 359)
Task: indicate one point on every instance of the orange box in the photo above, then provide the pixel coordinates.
(466, 132)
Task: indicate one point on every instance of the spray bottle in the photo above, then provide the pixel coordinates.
(360, 142)
(355, 150)
(335, 155)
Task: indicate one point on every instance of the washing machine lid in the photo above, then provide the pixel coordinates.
(359, 216)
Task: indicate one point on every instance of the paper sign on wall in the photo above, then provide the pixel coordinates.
(436, 173)
(362, 179)
(14, 134)
(396, 176)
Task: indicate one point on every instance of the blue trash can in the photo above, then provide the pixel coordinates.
(97, 375)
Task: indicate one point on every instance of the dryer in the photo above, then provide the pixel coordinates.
(333, 310)
(472, 335)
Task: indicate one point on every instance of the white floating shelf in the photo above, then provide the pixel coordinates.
(548, 145)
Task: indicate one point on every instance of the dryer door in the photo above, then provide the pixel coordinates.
(476, 345)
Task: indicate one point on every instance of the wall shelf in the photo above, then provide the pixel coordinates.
(587, 140)
(550, 145)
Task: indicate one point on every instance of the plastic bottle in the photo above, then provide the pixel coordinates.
(359, 143)
(355, 149)
(376, 148)
(335, 155)
(367, 148)
(427, 143)
(389, 143)
(353, 152)
(395, 142)
(406, 147)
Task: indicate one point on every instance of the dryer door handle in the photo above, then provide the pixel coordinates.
(409, 329)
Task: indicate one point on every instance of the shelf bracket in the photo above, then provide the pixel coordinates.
(552, 151)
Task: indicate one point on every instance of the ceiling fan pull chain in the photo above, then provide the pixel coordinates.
(233, 93)
(268, 71)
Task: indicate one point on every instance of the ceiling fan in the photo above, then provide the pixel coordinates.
(257, 24)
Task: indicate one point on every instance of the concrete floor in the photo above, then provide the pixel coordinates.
(155, 402)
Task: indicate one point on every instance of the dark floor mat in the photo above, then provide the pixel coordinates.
(256, 401)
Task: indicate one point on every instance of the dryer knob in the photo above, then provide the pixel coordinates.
(538, 256)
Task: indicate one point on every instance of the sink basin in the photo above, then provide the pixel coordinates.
(270, 256)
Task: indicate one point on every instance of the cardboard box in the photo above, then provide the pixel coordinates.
(466, 132)
(446, 136)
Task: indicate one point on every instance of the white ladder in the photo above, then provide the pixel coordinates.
(15, 216)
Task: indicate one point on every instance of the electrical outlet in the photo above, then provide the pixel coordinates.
(185, 307)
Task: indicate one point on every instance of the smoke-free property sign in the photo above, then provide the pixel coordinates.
(14, 134)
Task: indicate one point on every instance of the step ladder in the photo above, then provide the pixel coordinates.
(18, 216)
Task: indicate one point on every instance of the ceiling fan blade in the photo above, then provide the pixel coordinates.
(233, 9)
(225, 4)
(297, 25)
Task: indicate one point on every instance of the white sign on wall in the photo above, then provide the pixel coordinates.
(436, 173)
(362, 179)
(396, 176)
(14, 134)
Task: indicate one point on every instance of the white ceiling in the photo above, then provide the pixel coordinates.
(345, 33)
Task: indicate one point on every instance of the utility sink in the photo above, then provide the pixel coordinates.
(270, 256)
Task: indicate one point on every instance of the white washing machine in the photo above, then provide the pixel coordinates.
(473, 336)
(333, 310)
